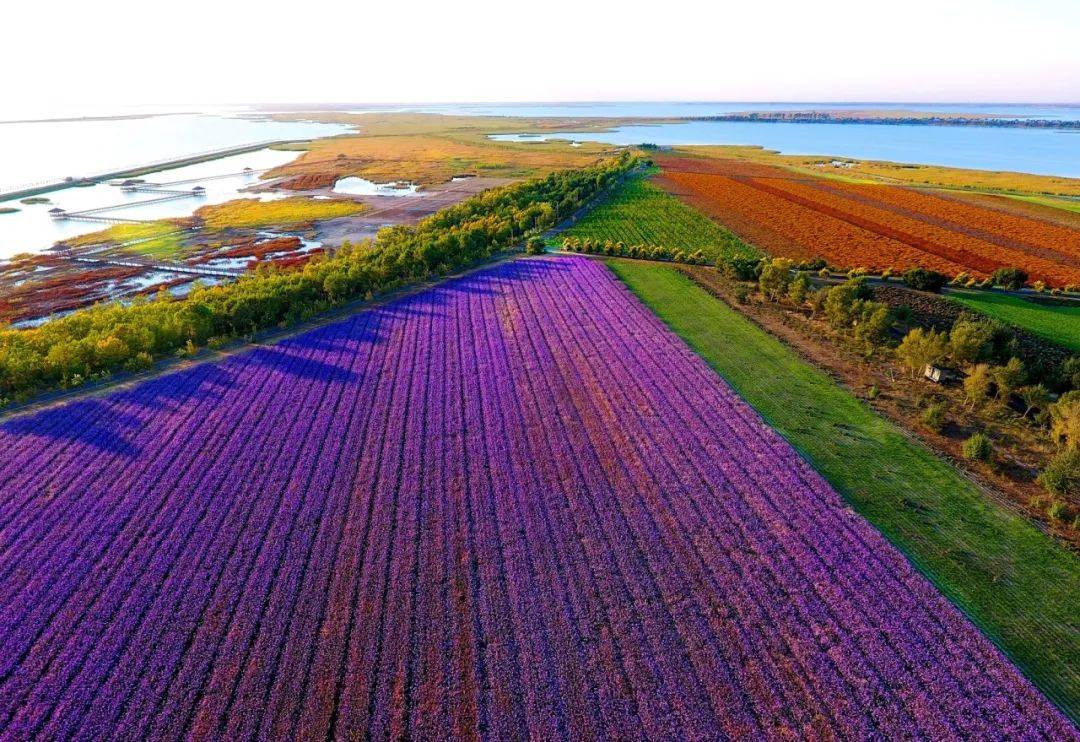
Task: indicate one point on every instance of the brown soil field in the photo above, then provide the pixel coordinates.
(872, 226)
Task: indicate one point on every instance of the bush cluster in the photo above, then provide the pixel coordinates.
(922, 279)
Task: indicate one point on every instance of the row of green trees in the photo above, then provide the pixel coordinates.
(1011, 279)
(100, 340)
(641, 252)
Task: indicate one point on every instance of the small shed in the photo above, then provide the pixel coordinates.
(938, 375)
(198, 190)
(57, 213)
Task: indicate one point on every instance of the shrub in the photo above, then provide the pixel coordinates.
(741, 269)
(1009, 278)
(1036, 397)
(535, 246)
(922, 279)
(1065, 420)
(978, 447)
(842, 303)
(934, 416)
(872, 325)
(1056, 510)
(1062, 475)
(1009, 377)
(921, 348)
(1070, 373)
(816, 264)
(977, 385)
(775, 277)
(799, 288)
(969, 340)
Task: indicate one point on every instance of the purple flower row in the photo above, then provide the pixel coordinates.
(515, 505)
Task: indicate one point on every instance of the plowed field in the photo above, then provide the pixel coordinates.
(872, 226)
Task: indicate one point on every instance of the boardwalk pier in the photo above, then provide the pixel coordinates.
(46, 186)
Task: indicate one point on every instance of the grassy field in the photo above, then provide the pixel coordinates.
(1055, 203)
(640, 213)
(160, 239)
(428, 149)
(1017, 584)
(1059, 324)
(250, 213)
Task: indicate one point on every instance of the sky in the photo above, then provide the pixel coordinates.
(111, 56)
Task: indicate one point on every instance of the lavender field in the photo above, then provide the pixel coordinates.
(515, 505)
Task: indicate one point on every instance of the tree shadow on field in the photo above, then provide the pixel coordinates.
(105, 431)
(325, 354)
(169, 392)
(291, 362)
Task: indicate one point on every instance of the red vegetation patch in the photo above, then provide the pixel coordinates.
(871, 226)
(309, 182)
(65, 291)
(296, 261)
(253, 249)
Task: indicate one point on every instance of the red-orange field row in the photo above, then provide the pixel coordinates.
(872, 226)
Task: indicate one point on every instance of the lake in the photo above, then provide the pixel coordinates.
(33, 152)
(1041, 151)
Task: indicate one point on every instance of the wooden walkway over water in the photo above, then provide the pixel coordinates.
(99, 257)
(23, 190)
(94, 214)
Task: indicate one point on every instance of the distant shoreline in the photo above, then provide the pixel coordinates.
(897, 118)
(81, 119)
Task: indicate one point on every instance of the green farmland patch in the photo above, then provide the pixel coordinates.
(1057, 323)
(640, 213)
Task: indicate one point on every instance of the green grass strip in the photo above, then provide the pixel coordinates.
(640, 213)
(1017, 584)
(1056, 203)
(1057, 323)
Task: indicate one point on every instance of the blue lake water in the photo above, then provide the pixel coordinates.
(1041, 151)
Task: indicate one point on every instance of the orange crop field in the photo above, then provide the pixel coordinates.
(870, 225)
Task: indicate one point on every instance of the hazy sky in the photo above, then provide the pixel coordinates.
(106, 55)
